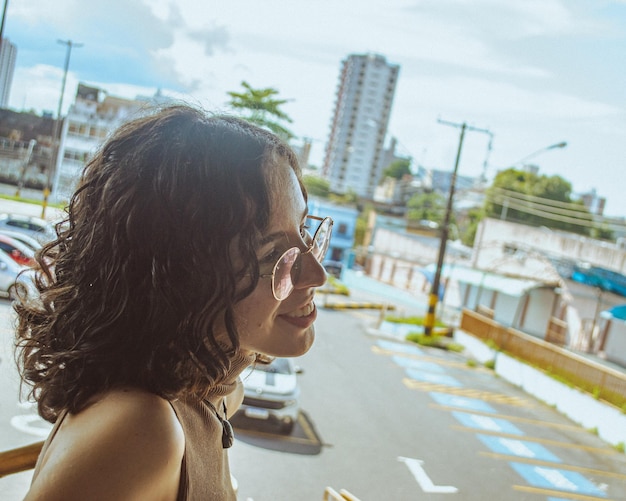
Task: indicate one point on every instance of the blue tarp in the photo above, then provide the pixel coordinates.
(618, 312)
(607, 280)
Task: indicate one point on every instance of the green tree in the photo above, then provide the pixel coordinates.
(317, 186)
(602, 232)
(428, 206)
(262, 107)
(474, 216)
(536, 200)
(398, 169)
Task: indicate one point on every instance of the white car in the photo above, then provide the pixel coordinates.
(272, 392)
(10, 273)
(38, 228)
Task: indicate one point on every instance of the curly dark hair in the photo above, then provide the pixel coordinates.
(142, 271)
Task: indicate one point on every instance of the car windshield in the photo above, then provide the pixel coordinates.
(278, 366)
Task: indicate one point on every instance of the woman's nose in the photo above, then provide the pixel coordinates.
(313, 274)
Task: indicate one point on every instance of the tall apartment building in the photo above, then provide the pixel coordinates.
(8, 53)
(354, 158)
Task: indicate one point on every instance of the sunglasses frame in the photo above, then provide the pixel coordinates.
(299, 255)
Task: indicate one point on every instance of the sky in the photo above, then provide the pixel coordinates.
(532, 73)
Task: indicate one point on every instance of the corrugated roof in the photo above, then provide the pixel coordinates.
(516, 287)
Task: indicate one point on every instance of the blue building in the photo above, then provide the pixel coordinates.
(344, 228)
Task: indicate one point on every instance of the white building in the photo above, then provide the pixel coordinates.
(90, 119)
(354, 153)
(8, 53)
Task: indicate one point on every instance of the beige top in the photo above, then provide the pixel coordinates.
(204, 474)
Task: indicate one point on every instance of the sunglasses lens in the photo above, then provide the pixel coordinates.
(283, 283)
(322, 239)
(287, 269)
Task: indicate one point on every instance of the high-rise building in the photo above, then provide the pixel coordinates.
(354, 158)
(8, 53)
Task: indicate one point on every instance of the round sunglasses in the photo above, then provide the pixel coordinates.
(286, 271)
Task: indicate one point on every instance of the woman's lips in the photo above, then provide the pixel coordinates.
(302, 317)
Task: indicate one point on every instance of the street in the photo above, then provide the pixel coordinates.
(388, 420)
(400, 422)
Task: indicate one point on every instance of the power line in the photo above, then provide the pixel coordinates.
(539, 200)
(550, 209)
(590, 221)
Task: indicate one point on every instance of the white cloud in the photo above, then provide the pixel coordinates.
(503, 65)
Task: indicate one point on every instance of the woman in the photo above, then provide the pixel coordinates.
(187, 253)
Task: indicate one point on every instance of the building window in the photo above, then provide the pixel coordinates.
(342, 229)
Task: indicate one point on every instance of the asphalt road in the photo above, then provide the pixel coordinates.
(391, 421)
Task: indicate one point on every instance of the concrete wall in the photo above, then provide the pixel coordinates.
(493, 234)
(615, 346)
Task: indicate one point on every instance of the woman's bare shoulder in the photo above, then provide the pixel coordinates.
(128, 444)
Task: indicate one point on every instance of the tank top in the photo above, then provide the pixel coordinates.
(205, 474)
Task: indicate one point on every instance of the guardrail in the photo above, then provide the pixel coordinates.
(601, 381)
(19, 459)
(24, 458)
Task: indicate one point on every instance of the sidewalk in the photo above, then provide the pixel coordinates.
(52, 214)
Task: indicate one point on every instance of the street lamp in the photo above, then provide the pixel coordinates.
(505, 202)
(4, 15)
(56, 140)
(562, 144)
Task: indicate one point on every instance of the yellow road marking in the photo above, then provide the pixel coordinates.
(449, 363)
(546, 441)
(536, 422)
(308, 431)
(559, 494)
(560, 466)
(486, 396)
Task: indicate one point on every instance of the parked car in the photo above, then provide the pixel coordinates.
(19, 252)
(10, 273)
(27, 240)
(272, 393)
(333, 268)
(40, 229)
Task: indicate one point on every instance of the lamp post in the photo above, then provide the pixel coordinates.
(4, 15)
(562, 144)
(56, 140)
(24, 167)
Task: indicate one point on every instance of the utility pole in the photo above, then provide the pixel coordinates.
(429, 321)
(56, 140)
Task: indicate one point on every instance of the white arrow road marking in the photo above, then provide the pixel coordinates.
(415, 467)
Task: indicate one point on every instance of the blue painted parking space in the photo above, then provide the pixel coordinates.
(418, 364)
(472, 408)
(515, 447)
(400, 347)
(487, 423)
(472, 404)
(553, 478)
(429, 377)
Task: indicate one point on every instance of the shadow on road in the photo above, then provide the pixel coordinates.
(303, 439)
